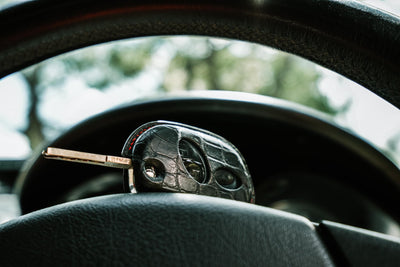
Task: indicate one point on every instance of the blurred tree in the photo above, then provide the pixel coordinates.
(191, 63)
(279, 75)
(34, 130)
(99, 67)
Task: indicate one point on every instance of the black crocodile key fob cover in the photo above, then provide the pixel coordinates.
(174, 157)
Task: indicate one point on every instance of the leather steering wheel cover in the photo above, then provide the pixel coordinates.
(155, 229)
(348, 37)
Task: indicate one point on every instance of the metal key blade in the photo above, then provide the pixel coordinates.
(87, 158)
(94, 159)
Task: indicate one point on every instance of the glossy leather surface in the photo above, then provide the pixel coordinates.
(171, 149)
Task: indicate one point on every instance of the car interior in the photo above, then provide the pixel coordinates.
(324, 195)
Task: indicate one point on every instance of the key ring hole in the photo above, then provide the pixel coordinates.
(153, 169)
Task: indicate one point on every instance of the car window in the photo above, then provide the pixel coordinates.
(58, 93)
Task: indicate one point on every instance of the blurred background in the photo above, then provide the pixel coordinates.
(58, 93)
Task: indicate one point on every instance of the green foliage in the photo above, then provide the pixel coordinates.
(131, 60)
(185, 64)
(258, 70)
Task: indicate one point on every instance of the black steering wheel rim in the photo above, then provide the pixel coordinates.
(348, 37)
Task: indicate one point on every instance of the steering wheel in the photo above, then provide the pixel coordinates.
(350, 38)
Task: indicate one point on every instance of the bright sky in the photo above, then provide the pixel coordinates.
(369, 115)
(13, 117)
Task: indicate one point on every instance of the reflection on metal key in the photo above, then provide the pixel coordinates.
(87, 158)
(169, 156)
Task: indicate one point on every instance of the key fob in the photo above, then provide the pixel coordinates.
(174, 157)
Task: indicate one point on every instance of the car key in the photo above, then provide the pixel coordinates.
(91, 158)
(174, 157)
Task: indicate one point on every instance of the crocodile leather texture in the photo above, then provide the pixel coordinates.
(169, 156)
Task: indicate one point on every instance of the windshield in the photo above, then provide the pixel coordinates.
(58, 93)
